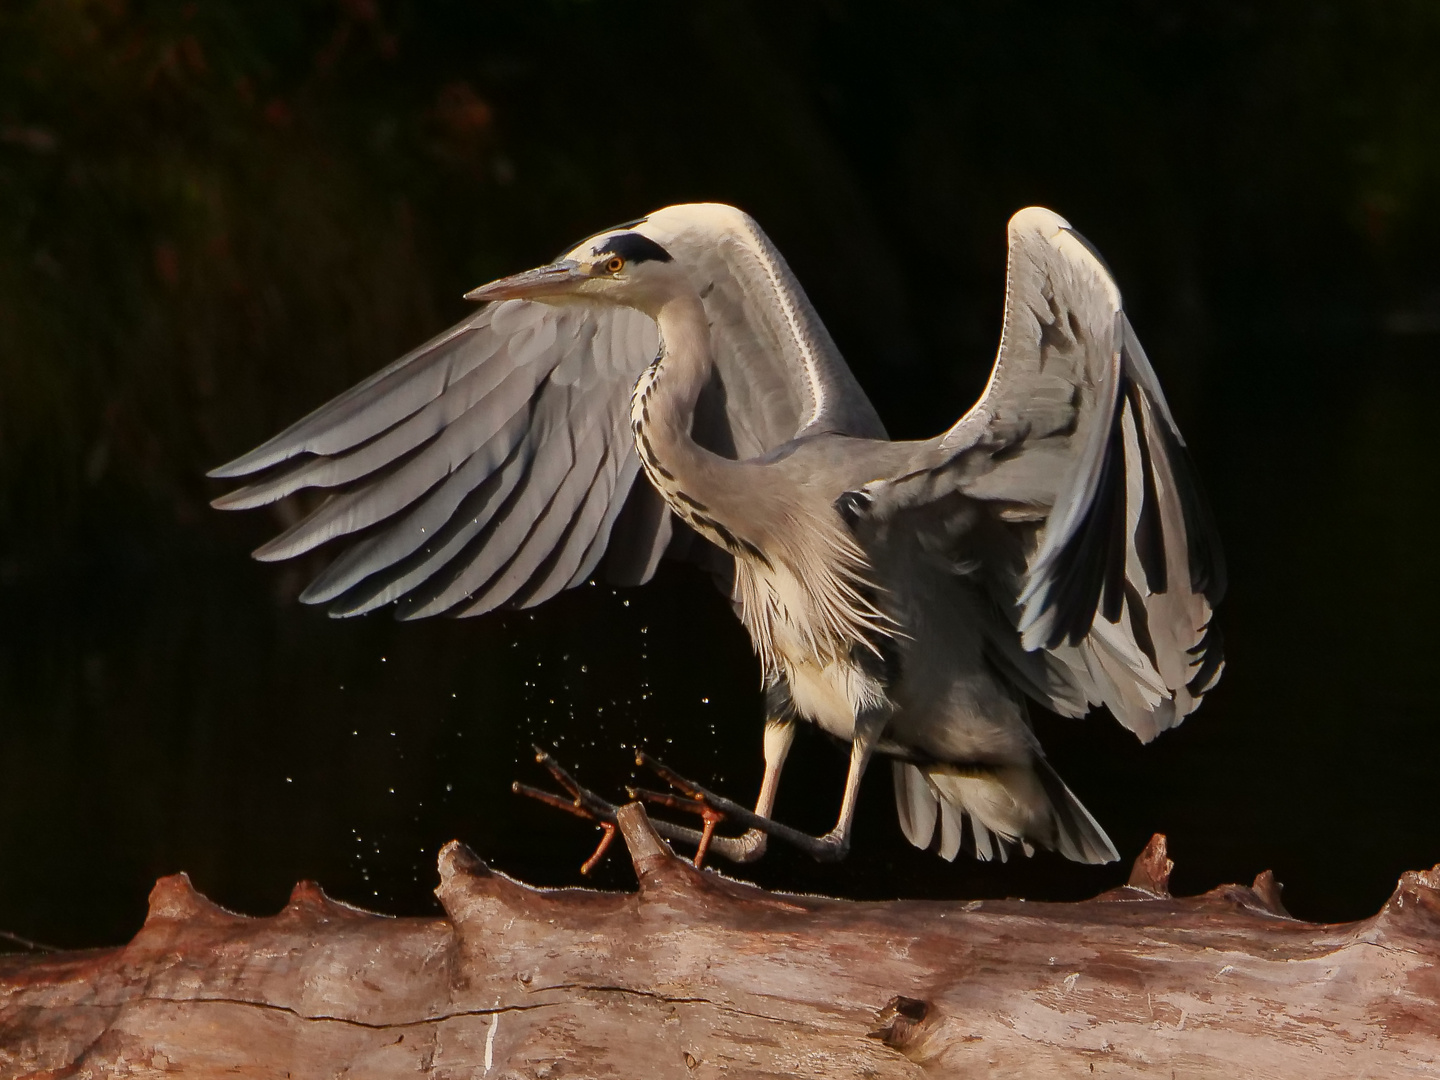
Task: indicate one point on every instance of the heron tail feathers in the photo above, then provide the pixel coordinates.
(1006, 806)
(1078, 836)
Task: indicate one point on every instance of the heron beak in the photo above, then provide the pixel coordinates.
(557, 279)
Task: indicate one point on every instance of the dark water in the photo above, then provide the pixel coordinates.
(195, 251)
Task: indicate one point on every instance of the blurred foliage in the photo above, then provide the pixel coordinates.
(216, 215)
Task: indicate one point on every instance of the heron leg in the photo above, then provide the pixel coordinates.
(835, 844)
(779, 736)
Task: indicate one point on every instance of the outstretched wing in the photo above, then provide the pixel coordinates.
(494, 464)
(487, 466)
(1073, 446)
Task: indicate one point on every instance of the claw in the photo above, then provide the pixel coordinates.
(665, 799)
(669, 775)
(583, 803)
(709, 819)
(551, 800)
(589, 864)
(585, 799)
(694, 804)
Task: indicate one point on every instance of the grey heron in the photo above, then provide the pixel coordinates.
(908, 597)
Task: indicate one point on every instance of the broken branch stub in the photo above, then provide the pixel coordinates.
(697, 974)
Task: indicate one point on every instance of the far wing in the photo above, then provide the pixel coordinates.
(1073, 446)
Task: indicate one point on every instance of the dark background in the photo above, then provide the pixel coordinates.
(214, 216)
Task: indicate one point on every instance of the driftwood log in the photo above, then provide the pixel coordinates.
(698, 975)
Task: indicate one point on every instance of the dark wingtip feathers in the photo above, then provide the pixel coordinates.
(1212, 649)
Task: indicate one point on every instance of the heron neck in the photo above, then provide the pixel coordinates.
(662, 408)
(663, 405)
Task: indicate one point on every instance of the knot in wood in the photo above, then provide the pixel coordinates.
(901, 1020)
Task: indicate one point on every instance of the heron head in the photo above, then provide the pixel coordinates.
(619, 266)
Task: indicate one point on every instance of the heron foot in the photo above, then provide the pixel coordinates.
(832, 847)
(688, 797)
(586, 804)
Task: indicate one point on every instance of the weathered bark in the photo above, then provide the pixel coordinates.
(698, 974)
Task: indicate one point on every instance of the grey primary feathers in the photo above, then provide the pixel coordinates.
(908, 597)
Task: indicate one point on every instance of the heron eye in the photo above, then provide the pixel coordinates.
(615, 265)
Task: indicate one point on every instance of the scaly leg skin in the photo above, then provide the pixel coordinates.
(832, 847)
